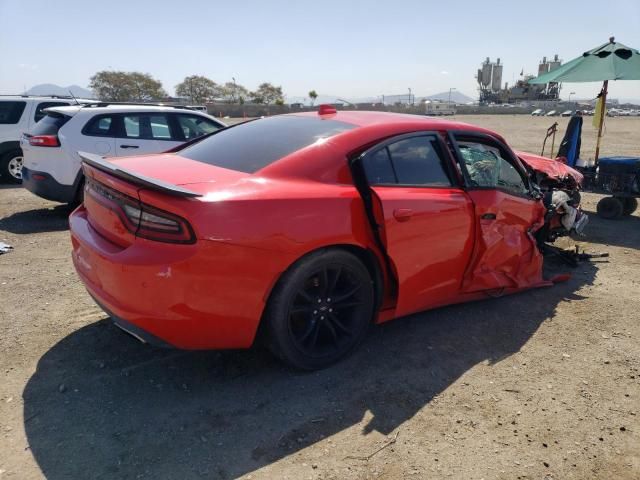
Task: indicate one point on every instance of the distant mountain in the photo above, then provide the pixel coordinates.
(456, 97)
(632, 101)
(51, 89)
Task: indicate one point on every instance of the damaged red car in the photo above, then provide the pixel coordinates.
(305, 229)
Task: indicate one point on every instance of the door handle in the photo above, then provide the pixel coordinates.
(488, 216)
(129, 146)
(402, 214)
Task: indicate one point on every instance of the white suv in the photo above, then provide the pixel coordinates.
(18, 113)
(51, 167)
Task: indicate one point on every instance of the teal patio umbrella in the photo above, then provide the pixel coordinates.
(611, 61)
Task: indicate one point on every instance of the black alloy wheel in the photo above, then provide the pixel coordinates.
(321, 310)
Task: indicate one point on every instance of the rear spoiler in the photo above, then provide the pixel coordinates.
(96, 161)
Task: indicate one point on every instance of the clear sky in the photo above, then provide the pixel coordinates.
(344, 48)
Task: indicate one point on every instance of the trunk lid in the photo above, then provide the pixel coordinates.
(173, 169)
(117, 187)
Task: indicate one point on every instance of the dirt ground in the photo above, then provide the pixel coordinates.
(540, 385)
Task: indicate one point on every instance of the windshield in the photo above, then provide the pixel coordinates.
(254, 145)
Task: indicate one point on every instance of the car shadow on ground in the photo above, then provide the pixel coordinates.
(622, 232)
(37, 221)
(102, 405)
(7, 186)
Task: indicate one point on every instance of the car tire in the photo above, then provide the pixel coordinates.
(320, 309)
(629, 206)
(610, 208)
(11, 166)
(79, 197)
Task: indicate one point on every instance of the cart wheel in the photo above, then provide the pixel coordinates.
(629, 206)
(610, 208)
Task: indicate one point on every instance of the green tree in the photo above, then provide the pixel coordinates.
(234, 92)
(267, 94)
(115, 86)
(198, 88)
(313, 95)
(145, 87)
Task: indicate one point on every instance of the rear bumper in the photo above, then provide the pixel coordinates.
(208, 295)
(131, 329)
(44, 185)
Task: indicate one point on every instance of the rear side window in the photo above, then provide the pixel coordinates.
(147, 127)
(49, 124)
(252, 146)
(10, 112)
(41, 106)
(410, 161)
(194, 126)
(99, 126)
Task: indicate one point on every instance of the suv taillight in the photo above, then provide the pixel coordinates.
(44, 141)
(141, 219)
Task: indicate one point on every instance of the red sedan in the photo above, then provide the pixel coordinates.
(306, 229)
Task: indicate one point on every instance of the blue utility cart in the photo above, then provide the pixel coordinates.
(619, 177)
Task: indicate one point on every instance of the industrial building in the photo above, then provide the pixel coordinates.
(489, 78)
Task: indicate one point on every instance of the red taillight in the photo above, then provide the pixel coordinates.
(44, 141)
(141, 219)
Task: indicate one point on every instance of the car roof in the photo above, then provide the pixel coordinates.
(370, 128)
(422, 122)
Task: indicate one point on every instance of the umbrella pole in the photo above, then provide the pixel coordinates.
(601, 119)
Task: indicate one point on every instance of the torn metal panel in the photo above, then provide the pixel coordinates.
(505, 253)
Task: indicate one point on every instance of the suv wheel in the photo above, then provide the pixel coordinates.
(11, 166)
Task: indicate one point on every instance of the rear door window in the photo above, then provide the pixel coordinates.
(147, 127)
(378, 168)
(412, 161)
(10, 112)
(132, 126)
(39, 114)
